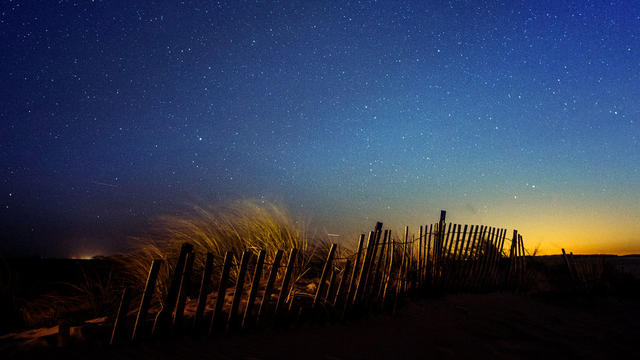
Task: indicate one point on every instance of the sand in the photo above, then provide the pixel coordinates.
(489, 326)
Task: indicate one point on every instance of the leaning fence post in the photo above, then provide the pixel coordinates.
(337, 303)
(204, 291)
(376, 271)
(284, 290)
(185, 287)
(323, 276)
(119, 326)
(163, 319)
(365, 268)
(387, 279)
(255, 284)
(354, 277)
(222, 290)
(269, 286)
(140, 323)
(237, 294)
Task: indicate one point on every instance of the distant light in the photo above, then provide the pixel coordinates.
(333, 235)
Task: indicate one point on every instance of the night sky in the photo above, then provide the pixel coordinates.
(518, 114)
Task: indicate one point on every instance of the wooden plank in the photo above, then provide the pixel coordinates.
(354, 276)
(454, 265)
(388, 276)
(486, 259)
(372, 258)
(119, 325)
(253, 292)
(216, 318)
(360, 286)
(268, 289)
(323, 276)
(405, 259)
(469, 255)
(284, 290)
(377, 275)
(342, 287)
(495, 240)
(400, 278)
(429, 256)
(420, 235)
(185, 288)
(204, 291)
(459, 265)
(510, 272)
(477, 259)
(232, 322)
(140, 324)
(383, 270)
(163, 319)
(333, 281)
(495, 258)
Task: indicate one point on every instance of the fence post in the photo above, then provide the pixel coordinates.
(163, 319)
(237, 294)
(354, 277)
(204, 291)
(119, 326)
(273, 273)
(337, 303)
(509, 274)
(376, 272)
(429, 255)
(323, 276)
(255, 284)
(185, 288)
(284, 290)
(363, 271)
(140, 324)
(222, 290)
(388, 279)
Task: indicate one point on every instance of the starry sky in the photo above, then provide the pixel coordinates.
(518, 114)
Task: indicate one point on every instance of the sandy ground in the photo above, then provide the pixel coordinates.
(495, 326)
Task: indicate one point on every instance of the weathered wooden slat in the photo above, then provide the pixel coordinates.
(377, 275)
(119, 325)
(216, 318)
(268, 289)
(512, 264)
(232, 322)
(140, 325)
(477, 257)
(470, 258)
(185, 288)
(284, 290)
(420, 241)
(328, 264)
(342, 287)
(163, 319)
(204, 291)
(365, 269)
(331, 289)
(354, 276)
(388, 276)
(429, 256)
(372, 258)
(253, 292)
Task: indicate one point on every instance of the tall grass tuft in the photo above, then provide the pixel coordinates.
(246, 225)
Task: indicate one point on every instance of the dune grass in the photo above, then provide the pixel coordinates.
(246, 225)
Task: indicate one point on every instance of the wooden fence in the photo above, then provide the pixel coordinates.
(383, 270)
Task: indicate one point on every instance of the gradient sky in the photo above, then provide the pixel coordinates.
(518, 114)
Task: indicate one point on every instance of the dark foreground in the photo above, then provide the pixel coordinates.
(495, 326)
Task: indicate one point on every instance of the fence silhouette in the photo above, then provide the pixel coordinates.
(382, 271)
